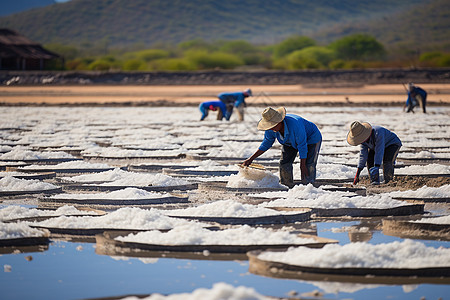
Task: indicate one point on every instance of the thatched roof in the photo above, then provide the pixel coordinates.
(12, 44)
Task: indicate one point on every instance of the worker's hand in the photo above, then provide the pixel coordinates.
(247, 162)
(356, 179)
(304, 170)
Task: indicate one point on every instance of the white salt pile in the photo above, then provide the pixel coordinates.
(425, 192)
(331, 201)
(18, 230)
(197, 235)
(219, 291)
(70, 165)
(250, 178)
(224, 209)
(118, 177)
(422, 170)
(127, 193)
(302, 192)
(9, 184)
(424, 154)
(15, 212)
(329, 171)
(124, 218)
(21, 153)
(120, 152)
(363, 255)
(444, 220)
(210, 165)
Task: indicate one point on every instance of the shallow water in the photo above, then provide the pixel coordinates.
(74, 271)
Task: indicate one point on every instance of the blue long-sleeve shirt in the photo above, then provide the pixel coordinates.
(416, 90)
(204, 106)
(237, 98)
(298, 133)
(379, 139)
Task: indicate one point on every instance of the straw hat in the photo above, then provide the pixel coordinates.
(271, 117)
(359, 133)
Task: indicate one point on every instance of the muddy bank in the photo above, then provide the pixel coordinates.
(313, 78)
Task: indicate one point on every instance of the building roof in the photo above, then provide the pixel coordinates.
(12, 44)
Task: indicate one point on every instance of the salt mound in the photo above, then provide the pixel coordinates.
(253, 178)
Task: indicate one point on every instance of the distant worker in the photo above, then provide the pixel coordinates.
(378, 146)
(297, 135)
(206, 106)
(416, 97)
(235, 99)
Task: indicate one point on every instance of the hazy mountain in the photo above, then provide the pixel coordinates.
(14, 6)
(150, 22)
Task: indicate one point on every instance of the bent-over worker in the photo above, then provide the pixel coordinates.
(416, 97)
(297, 135)
(235, 99)
(378, 146)
(213, 105)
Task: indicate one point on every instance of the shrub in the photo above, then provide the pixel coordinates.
(79, 63)
(100, 65)
(151, 54)
(435, 59)
(336, 64)
(292, 44)
(134, 65)
(358, 47)
(172, 64)
(205, 60)
(310, 58)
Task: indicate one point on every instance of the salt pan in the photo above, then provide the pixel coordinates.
(363, 255)
(196, 235)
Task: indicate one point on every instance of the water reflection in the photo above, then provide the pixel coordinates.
(65, 267)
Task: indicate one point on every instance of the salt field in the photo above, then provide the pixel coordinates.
(147, 202)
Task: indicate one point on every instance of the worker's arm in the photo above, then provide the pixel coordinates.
(356, 180)
(303, 168)
(249, 160)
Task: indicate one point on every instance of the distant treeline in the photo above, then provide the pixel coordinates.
(294, 53)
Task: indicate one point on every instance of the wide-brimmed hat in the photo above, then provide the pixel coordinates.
(271, 117)
(359, 133)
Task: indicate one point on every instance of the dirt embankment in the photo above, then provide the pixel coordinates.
(312, 77)
(296, 88)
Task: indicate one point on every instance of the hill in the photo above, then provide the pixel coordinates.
(10, 7)
(150, 22)
(423, 26)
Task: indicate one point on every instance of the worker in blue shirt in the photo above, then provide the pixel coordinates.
(297, 135)
(235, 99)
(378, 146)
(213, 105)
(416, 97)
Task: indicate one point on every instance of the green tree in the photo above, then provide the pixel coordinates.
(358, 47)
(205, 60)
(151, 54)
(172, 64)
(292, 44)
(248, 53)
(197, 44)
(310, 58)
(134, 65)
(435, 59)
